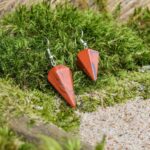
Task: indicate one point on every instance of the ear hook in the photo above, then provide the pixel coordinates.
(51, 57)
(82, 41)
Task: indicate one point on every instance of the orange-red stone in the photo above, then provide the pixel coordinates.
(88, 60)
(61, 78)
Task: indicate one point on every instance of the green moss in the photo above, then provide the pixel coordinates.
(9, 141)
(101, 145)
(88, 104)
(23, 44)
(101, 5)
(113, 90)
(14, 101)
(140, 23)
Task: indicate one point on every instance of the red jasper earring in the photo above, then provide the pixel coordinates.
(87, 60)
(60, 77)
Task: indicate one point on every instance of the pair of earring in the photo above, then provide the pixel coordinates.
(60, 76)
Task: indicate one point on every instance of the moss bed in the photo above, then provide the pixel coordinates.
(24, 65)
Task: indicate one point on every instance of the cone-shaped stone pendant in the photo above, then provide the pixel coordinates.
(60, 77)
(88, 60)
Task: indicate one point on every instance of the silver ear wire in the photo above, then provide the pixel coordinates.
(51, 57)
(82, 41)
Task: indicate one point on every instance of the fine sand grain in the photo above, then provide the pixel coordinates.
(126, 126)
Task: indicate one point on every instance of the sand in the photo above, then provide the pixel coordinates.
(127, 126)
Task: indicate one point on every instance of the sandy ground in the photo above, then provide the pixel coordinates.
(126, 126)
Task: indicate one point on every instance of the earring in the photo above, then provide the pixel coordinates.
(60, 77)
(88, 59)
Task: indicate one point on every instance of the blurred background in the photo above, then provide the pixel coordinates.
(126, 6)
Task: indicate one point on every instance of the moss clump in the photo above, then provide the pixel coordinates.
(23, 44)
(101, 5)
(9, 141)
(113, 90)
(88, 104)
(140, 23)
(14, 101)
